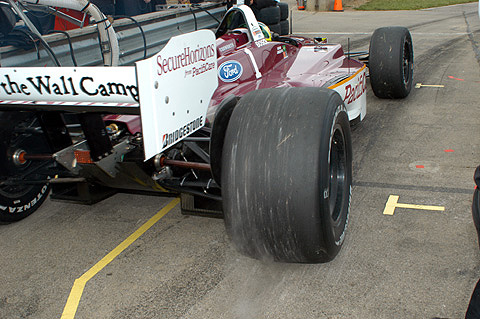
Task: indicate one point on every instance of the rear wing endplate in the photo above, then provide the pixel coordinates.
(171, 90)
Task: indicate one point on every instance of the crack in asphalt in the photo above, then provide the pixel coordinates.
(472, 40)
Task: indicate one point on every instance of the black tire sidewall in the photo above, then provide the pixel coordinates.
(283, 10)
(284, 27)
(258, 176)
(387, 48)
(334, 231)
(17, 208)
(277, 28)
(269, 15)
(476, 212)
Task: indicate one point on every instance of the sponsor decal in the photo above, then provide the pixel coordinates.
(320, 49)
(186, 57)
(228, 46)
(261, 43)
(353, 92)
(170, 138)
(62, 86)
(230, 71)
(282, 50)
(202, 69)
(256, 31)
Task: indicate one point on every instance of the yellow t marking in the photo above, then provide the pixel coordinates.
(77, 289)
(393, 203)
(420, 85)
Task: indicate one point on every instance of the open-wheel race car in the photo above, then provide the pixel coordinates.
(240, 122)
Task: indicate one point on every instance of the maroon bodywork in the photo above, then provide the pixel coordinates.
(294, 62)
(304, 65)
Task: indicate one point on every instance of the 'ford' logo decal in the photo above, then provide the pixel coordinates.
(230, 71)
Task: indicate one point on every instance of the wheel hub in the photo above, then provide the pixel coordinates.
(337, 173)
(18, 157)
(406, 63)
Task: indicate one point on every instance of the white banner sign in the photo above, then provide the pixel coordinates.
(69, 84)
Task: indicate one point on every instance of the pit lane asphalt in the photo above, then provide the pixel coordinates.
(414, 264)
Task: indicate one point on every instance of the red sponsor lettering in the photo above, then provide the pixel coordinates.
(186, 57)
(352, 93)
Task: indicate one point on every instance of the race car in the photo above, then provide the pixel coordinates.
(240, 122)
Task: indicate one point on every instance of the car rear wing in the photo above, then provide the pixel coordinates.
(93, 89)
(171, 90)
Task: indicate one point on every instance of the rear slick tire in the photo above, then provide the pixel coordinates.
(287, 174)
(18, 201)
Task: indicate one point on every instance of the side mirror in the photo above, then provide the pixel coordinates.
(7, 19)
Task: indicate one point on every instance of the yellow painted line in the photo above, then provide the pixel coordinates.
(77, 289)
(420, 85)
(393, 203)
(390, 205)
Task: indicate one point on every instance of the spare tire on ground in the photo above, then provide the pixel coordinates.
(284, 27)
(277, 28)
(269, 15)
(283, 10)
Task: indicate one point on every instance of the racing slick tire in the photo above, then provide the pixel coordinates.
(284, 27)
(283, 10)
(269, 15)
(476, 212)
(275, 28)
(476, 203)
(287, 174)
(18, 135)
(391, 62)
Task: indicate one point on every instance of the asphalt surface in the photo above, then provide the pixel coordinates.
(413, 264)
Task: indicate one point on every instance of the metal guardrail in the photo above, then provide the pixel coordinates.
(158, 28)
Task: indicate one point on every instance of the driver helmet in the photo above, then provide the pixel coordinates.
(266, 31)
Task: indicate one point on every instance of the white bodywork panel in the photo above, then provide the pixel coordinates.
(252, 23)
(353, 91)
(175, 88)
